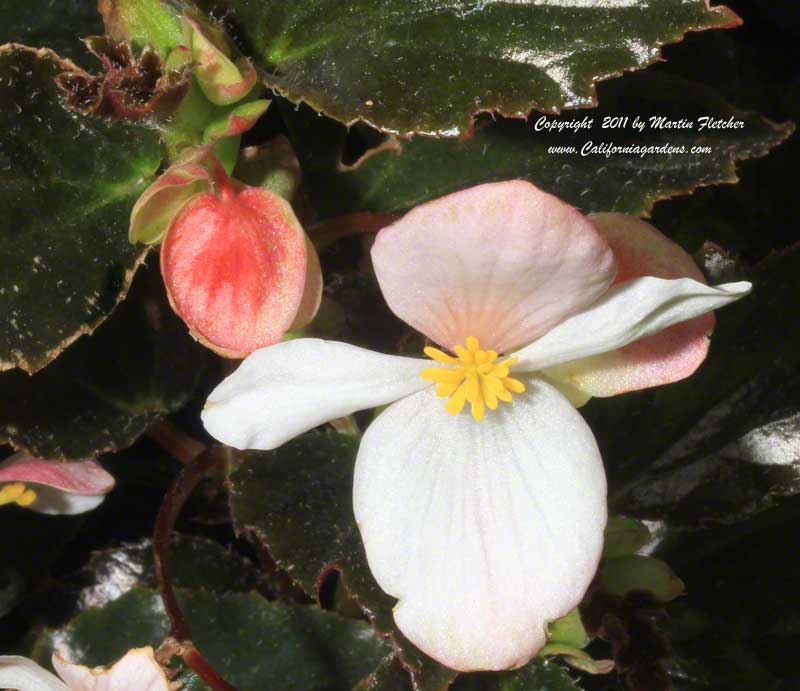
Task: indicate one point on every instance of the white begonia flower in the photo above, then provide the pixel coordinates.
(486, 526)
(53, 487)
(137, 671)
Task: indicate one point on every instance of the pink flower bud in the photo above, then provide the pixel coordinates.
(234, 264)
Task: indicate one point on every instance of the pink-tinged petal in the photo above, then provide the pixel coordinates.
(137, 671)
(234, 265)
(79, 477)
(485, 532)
(669, 356)
(60, 488)
(504, 262)
(642, 250)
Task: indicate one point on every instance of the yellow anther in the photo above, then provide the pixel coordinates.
(472, 377)
(27, 498)
(17, 493)
(439, 356)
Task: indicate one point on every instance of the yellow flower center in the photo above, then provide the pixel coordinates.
(472, 376)
(17, 493)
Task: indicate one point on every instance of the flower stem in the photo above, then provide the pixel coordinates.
(223, 181)
(177, 443)
(176, 497)
(328, 231)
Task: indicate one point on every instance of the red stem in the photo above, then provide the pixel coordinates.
(223, 181)
(331, 229)
(171, 507)
(205, 671)
(172, 439)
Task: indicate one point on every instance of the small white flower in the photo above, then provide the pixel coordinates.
(487, 526)
(137, 671)
(53, 487)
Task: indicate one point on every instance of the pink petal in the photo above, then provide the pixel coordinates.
(665, 357)
(137, 671)
(504, 262)
(80, 477)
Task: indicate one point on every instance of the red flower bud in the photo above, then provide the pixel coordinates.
(234, 264)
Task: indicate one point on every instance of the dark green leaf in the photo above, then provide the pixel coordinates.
(297, 501)
(51, 24)
(721, 444)
(427, 67)
(253, 643)
(538, 675)
(194, 563)
(737, 629)
(103, 635)
(401, 175)
(389, 676)
(754, 68)
(741, 479)
(104, 391)
(68, 184)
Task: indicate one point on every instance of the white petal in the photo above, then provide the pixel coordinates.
(55, 502)
(484, 531)
(137, 671)
(283, 390)
(627, 312)
(25, 675)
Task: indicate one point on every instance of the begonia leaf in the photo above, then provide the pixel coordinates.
(297, 502)
(542, 675)
(195, 563)
(68, 185)
(401, 174)
(720, 445)
(737, 626)
(253, 643)
(389, 675)
(55, 25)
(428, 67)
(101, 394)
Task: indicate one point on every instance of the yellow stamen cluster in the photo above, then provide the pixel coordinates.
(472, 376)
(17, 493)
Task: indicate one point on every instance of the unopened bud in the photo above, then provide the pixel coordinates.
(223, 80)
(234, 264)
